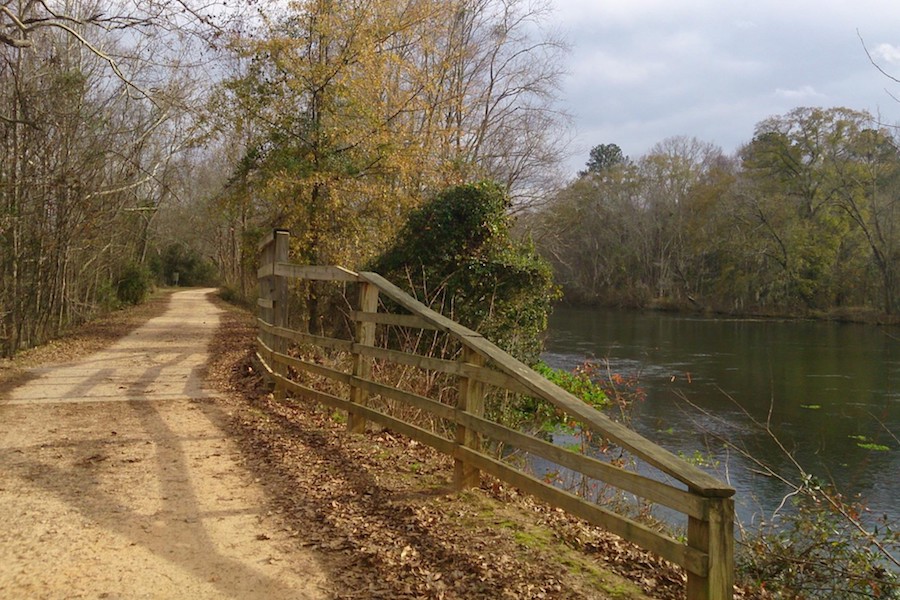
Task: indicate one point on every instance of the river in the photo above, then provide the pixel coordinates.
(830, 390)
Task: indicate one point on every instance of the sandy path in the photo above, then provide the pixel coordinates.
(117, 482)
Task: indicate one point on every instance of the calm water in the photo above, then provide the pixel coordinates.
(824, 383)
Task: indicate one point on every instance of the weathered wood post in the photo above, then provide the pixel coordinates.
(362, 365)
(264, 278)
(470, 400)
(715, 537)
(280, 251)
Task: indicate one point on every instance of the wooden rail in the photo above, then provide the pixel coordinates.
(708, 554)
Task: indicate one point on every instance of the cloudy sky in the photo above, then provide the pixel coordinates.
(644, 70)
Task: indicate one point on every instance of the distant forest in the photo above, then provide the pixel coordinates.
(805, 219)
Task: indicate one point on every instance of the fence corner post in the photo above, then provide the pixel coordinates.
(362, 365)
(470, 400)
(715, 537)
(282, 244)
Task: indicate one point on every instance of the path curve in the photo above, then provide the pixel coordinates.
(116, 480)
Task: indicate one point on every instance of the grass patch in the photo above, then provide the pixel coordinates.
(537, 541)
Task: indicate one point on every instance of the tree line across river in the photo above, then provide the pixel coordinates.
(804, 219)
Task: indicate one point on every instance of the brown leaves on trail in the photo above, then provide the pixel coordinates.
(381, 512)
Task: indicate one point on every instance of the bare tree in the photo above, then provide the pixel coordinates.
(92, 117)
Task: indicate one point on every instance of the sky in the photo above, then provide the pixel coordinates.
(641, 71)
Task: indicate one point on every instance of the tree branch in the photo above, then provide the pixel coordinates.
(872, 60)
(102, 55)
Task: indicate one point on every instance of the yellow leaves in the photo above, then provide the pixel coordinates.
(363, 107)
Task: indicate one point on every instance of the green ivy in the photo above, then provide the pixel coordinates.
(456, 254)
(577, 383)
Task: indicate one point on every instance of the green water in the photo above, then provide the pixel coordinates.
(827, 389)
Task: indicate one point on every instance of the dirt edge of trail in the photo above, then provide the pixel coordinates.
(82, 340)
(119, 480)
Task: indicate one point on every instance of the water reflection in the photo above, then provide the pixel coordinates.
(826, 389)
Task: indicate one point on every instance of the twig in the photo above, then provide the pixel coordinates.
(872, 60)
(837, 505)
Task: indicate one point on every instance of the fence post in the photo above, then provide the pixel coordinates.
(266, 266)
(362, 365)
(470, 400)
(715, 537)
(281, 249)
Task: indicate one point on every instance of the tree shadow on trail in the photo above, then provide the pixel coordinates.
(132, 468)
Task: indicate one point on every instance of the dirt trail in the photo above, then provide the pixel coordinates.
(116, 480)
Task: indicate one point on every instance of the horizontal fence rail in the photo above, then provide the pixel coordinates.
(708, 554)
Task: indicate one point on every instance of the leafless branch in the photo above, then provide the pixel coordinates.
(796, 488)
(15, 42)
(872, 60)
(12, 121)
(105, 57)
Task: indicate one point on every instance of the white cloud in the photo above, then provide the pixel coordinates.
(601, 67)
(887, 52)
(801, 93)
(684, 42)
(615, 13)
(643, 70)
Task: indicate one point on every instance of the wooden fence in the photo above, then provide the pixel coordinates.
(708, 554)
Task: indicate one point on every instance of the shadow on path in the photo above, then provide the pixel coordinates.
(116, 469)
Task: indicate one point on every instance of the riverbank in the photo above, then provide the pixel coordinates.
(689, 307)
(387, 516)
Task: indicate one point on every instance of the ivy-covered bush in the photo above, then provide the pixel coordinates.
(456, 254)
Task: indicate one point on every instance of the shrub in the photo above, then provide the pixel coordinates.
(134, 284)
(192, 268)
(232, 295)
(817, 544)
(106, 296)
(577, 382)
(456, 254)
(820, 549)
